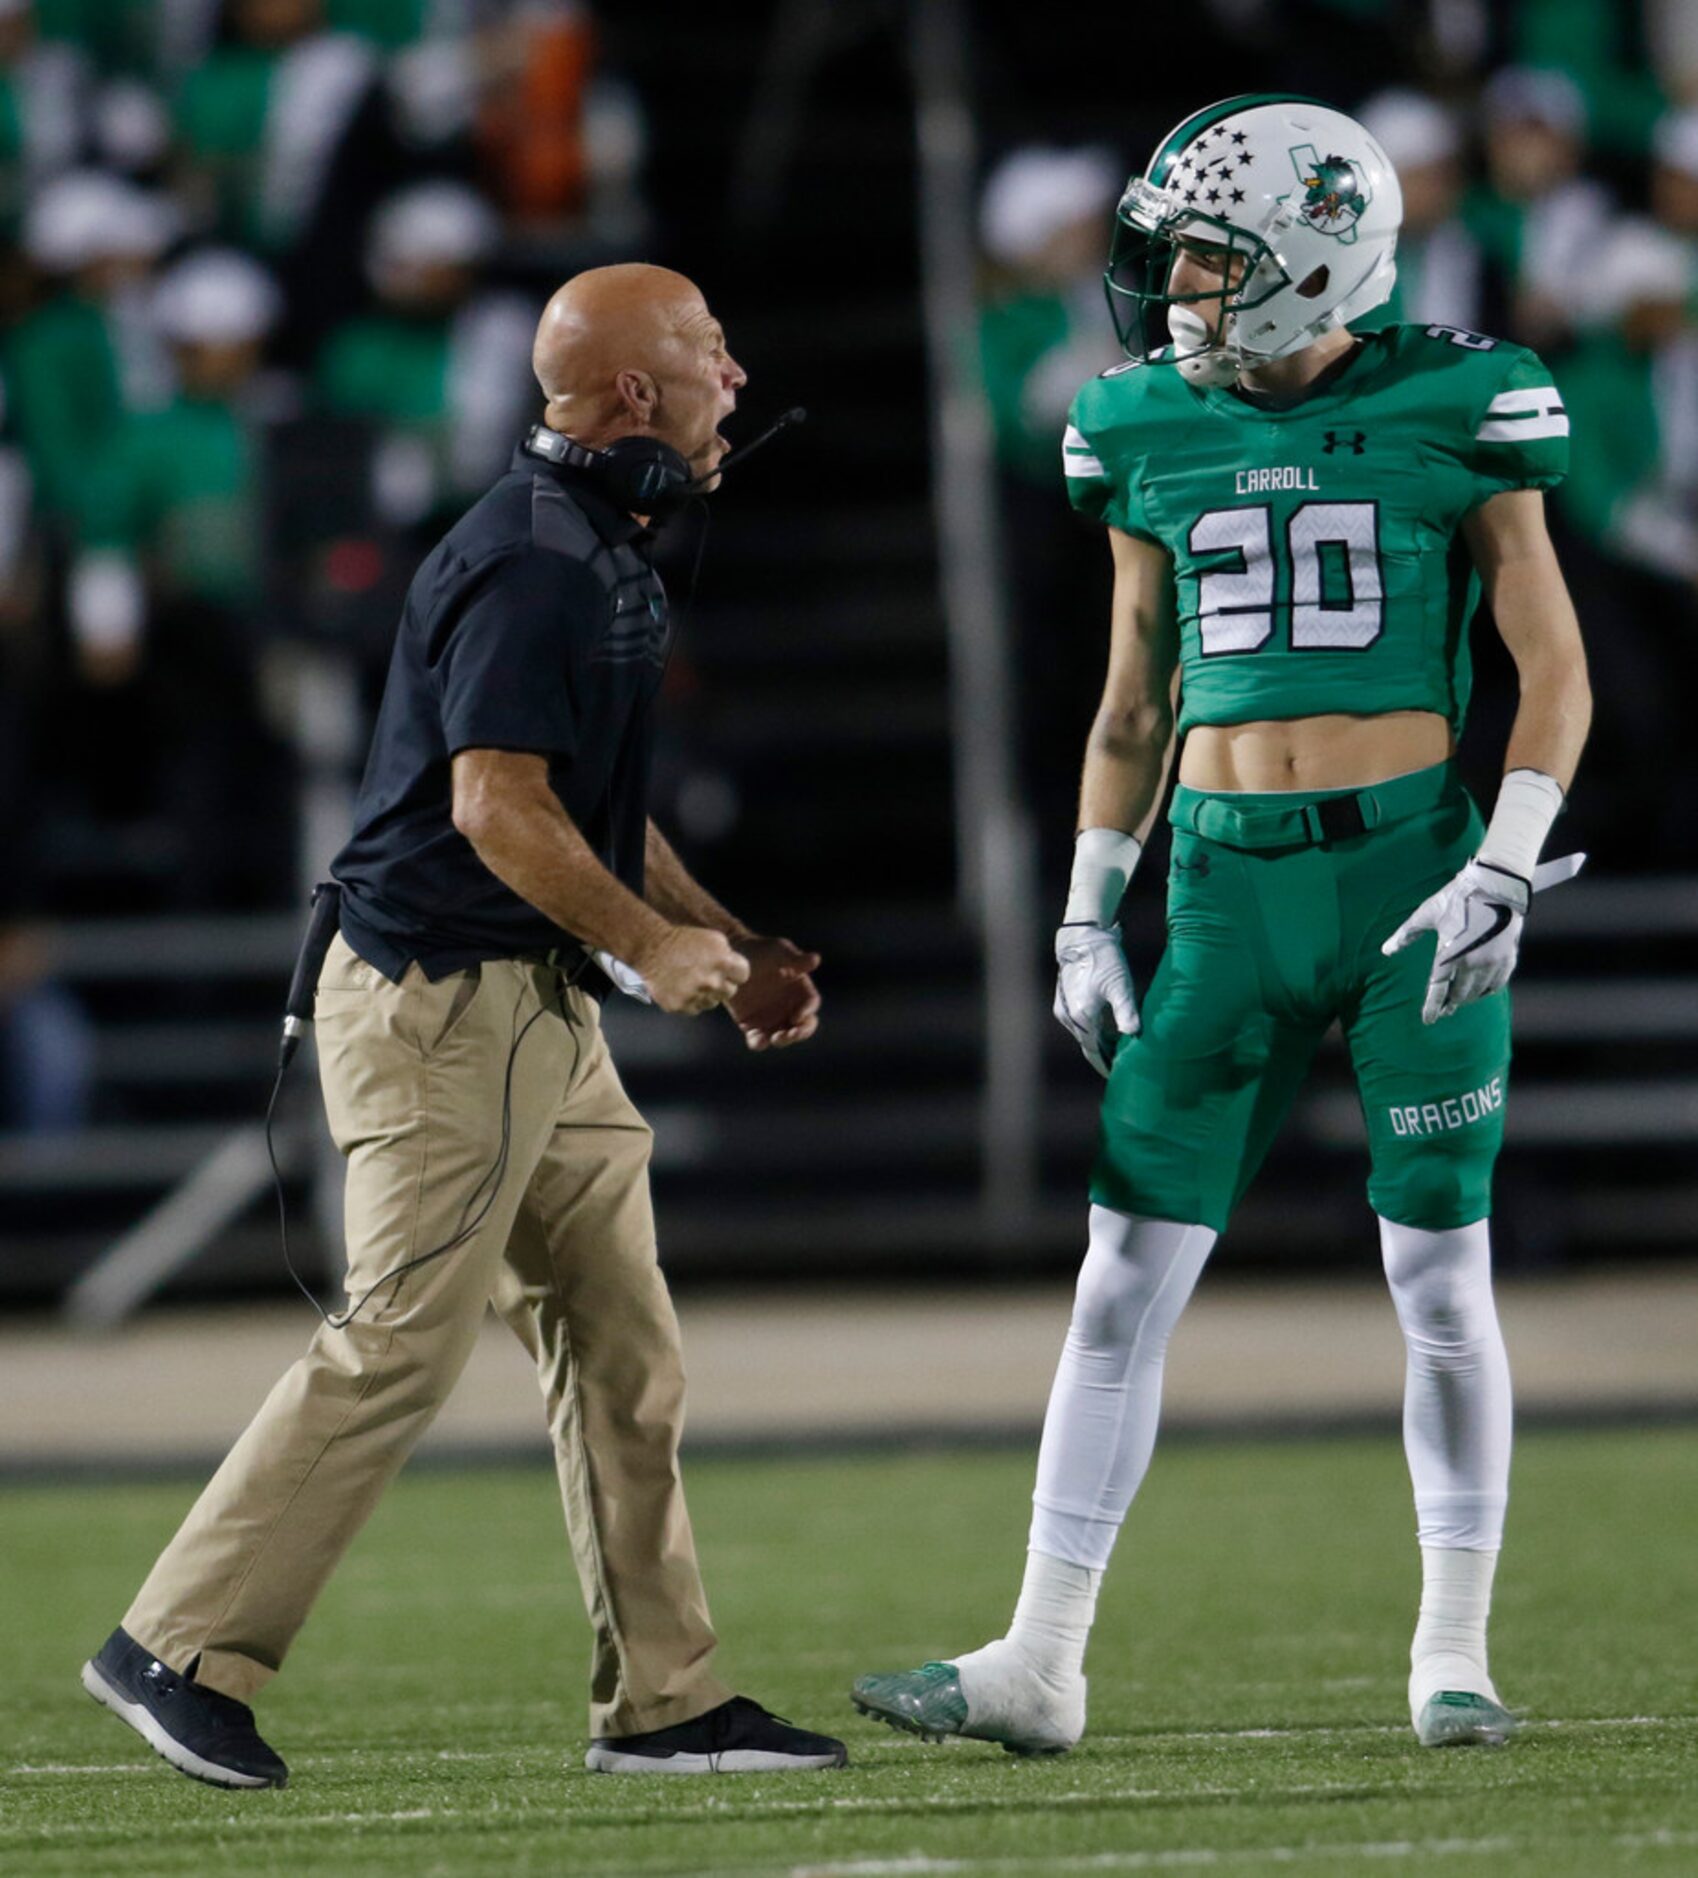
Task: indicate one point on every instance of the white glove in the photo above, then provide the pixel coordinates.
(625, 977)
(1093, 991)
(1477, 919)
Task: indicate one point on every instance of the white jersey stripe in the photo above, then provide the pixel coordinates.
(1532, 398)
(1077, 456)
(1521, 429)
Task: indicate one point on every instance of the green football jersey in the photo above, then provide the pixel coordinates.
(1316, 556)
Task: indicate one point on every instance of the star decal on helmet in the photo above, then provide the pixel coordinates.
(1196, 166)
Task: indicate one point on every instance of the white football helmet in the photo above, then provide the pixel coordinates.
(1298, 189)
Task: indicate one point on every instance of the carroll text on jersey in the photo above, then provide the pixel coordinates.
(1252, 482)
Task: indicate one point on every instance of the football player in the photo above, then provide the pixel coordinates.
(1302, 522)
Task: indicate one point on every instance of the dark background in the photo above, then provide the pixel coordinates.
(154, 843)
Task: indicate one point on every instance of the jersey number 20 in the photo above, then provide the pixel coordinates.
(1332, 549)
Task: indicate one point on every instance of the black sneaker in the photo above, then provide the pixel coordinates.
(738, 1737)
(206, 1735)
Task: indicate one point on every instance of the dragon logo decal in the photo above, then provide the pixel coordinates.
(1334, 192)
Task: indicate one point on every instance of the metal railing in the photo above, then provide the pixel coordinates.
(994, 840)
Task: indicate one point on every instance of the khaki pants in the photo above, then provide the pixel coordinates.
(564, 1244)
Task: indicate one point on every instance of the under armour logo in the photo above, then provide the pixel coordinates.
(1355, 441)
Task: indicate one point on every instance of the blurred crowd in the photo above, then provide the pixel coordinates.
(1554, 203)
(268, 275)
(268, 270)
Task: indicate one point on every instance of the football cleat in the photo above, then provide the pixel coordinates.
(926, 1701)
(1455, 1718)
(993, 1694)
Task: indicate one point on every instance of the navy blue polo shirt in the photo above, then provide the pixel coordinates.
(538, 623)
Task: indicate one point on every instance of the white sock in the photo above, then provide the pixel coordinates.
(1052, 1621)
(1449, 1651)
(1030, 1685)
(1100, 1427)
(1456, 1399)
(1456, 1433)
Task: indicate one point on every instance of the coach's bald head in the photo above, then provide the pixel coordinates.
(632, 351)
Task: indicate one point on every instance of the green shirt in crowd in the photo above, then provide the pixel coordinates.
(1014, 335)
(176, 489)
(382, 367)
(123, 35)
(1592, 43)
(66, 396)
(396, 372)
(388, 23)
(221, 113)
(118, 35)
(1607, 388)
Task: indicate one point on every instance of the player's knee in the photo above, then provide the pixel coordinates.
(1441, 1283)
(1134, 1281)
(1111, 1300)
(1439, 1305)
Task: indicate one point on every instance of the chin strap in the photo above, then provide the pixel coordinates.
(1211, 369)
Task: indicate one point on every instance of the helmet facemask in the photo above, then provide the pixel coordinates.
(1149, 316)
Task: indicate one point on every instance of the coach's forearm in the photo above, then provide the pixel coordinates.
(532, 845)
(674, 892)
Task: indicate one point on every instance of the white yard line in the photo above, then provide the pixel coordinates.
(724, 1806)
(1190, 1856)
(918, 1866)
(1178, 1859)
(256, 1821)
(79, 1767)
(569, 1755)
(1382, 1728)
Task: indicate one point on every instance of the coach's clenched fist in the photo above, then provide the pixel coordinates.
(692, 970)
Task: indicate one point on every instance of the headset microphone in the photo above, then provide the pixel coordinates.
(797, 414)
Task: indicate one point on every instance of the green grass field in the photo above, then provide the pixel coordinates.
(1247, 1708)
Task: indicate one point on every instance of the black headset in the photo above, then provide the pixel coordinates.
(640, 474)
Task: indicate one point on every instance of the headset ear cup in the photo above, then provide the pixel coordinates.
(645, 475)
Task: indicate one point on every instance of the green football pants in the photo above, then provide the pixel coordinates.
(1277, 908)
